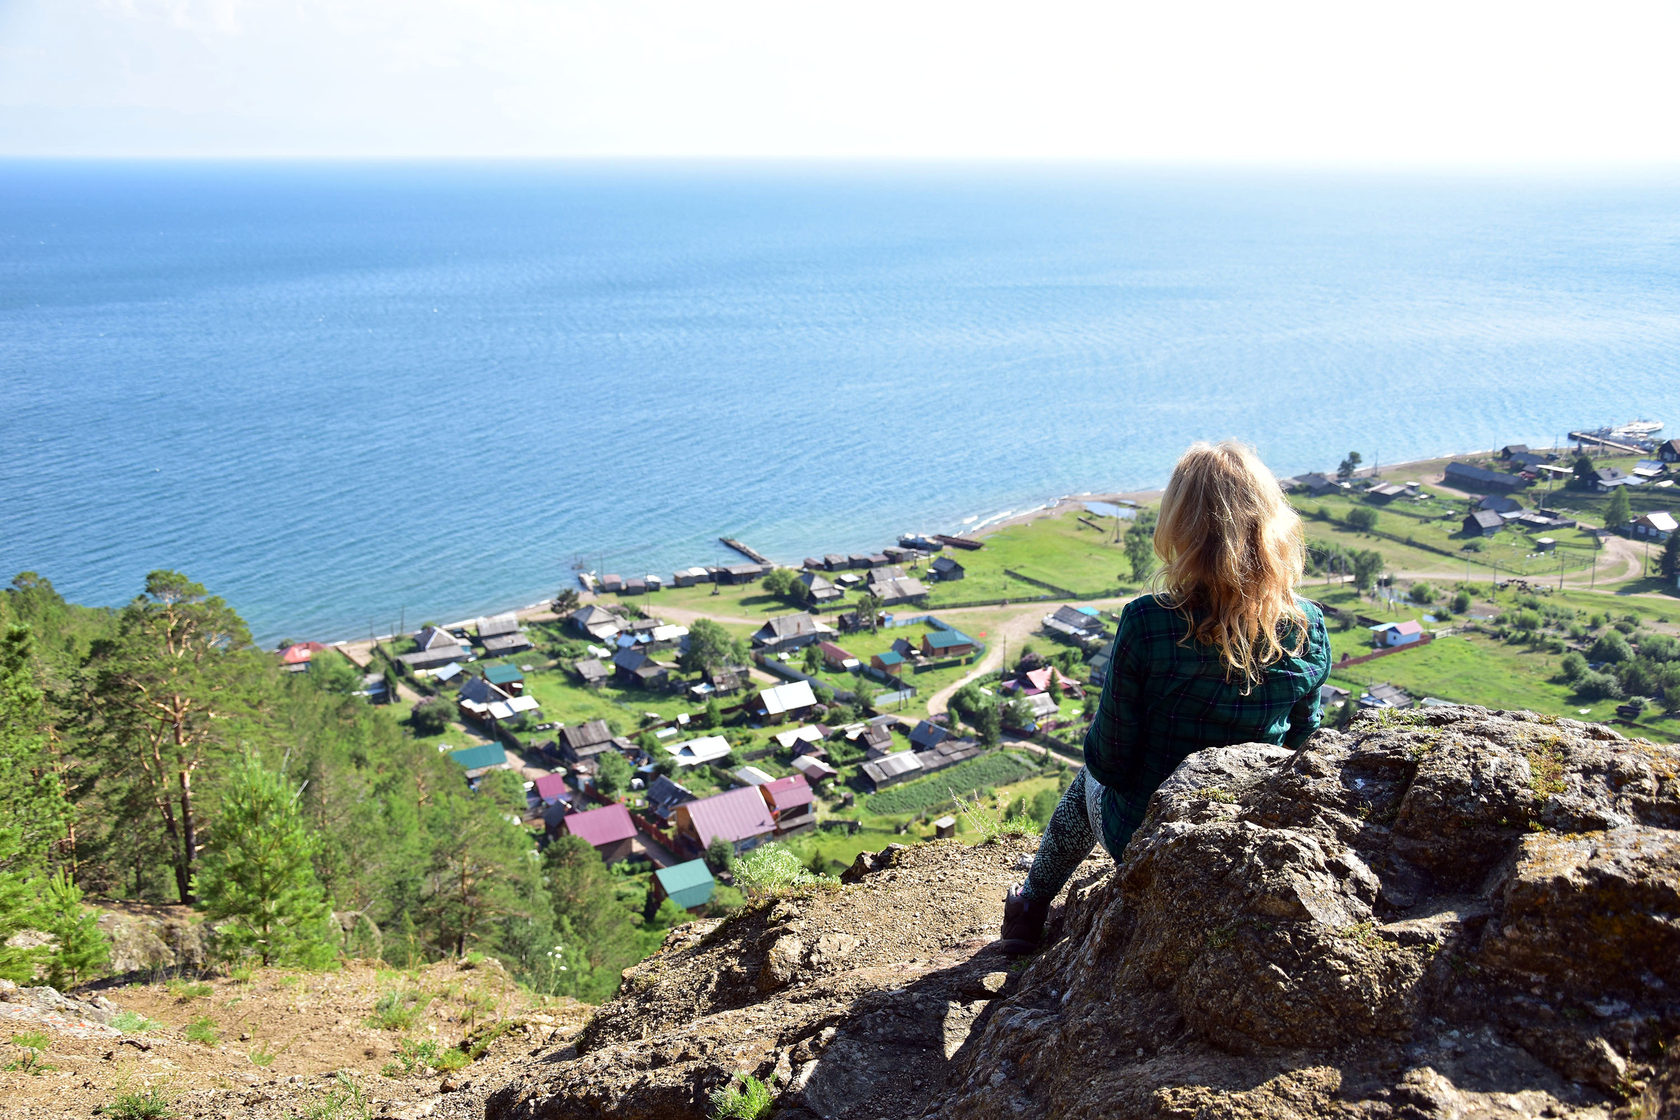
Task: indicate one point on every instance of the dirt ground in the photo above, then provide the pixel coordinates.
(275, 1044)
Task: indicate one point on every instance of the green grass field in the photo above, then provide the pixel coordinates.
(1474, 669)
(1437, 523)
(1058, 549)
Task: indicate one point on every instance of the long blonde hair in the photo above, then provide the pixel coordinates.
(1234, 554)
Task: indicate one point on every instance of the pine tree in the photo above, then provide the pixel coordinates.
(82, 949)
(19, 910)
(31, 798)
(257, 885)
(1671, 557)
(181, 663)
(1140, 545)
(481, 871)
(1619, 510)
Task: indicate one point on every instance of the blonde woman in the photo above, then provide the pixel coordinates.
(1223, 652)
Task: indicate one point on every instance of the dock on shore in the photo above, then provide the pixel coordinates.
(752, 554)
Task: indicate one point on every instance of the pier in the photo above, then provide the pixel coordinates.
(752, 554)
(1588, 437)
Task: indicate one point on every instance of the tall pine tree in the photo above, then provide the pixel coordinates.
(164, 689)
(256, 885)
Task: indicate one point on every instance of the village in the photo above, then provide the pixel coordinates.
(862, 698)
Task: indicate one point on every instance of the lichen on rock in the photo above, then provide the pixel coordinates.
(1437, 914)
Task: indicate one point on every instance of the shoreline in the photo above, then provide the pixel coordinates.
(1426, 470)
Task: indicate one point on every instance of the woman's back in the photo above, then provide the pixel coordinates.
(1169, 696)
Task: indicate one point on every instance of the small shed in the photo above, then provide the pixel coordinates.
(888, 661)
(689, 884)
(945, 569)
(944, 828)
(1391, 634)
(791, 803)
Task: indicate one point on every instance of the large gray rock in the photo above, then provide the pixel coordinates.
(1441, 914)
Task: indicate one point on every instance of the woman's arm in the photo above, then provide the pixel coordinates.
(1304, 717)
(1112, 748)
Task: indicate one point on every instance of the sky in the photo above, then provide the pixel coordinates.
(1344, 83)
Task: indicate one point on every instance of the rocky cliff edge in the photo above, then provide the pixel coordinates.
(1443, 913)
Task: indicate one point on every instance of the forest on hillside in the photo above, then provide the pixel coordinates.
(153, 753)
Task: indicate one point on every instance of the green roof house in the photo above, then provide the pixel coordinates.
(503, 674)
(689, 884)
(947, 643)
(476, 760)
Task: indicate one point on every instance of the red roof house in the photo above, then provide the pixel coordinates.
(550, 787)
(833, 655)
(740, 816)
(790, 803)
(608, 829)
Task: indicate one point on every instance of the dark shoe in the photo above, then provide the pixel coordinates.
(1023, 923)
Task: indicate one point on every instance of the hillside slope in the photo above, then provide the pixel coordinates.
(1439, 914)
(274, 1045)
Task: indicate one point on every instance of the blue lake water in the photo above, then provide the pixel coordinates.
(344, 395)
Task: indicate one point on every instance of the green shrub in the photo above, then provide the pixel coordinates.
(397, 1011)
(1611, 647)
(1598, 686)
(142, 1104)
(772, 869)
(203, 1030)
(187, 989)
(132, 1022)
(33, 1044)
(990, 824)
(751, 1101)
(344, 1101)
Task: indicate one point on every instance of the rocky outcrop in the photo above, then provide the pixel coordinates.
(152, 939)
(1439, 914)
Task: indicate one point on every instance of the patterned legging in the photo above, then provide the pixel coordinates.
(1070, 836)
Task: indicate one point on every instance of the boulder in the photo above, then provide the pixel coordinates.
(1445, 913)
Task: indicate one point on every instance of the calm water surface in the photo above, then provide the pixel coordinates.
(340, 395)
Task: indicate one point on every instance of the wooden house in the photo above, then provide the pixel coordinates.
(585, 740)
(609, 830)
(791, 804)
(741, 817)
(435, 646)
(790, 632)
(944, 644)
(1483, 523)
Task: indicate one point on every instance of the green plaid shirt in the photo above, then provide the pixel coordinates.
(1166, 698)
